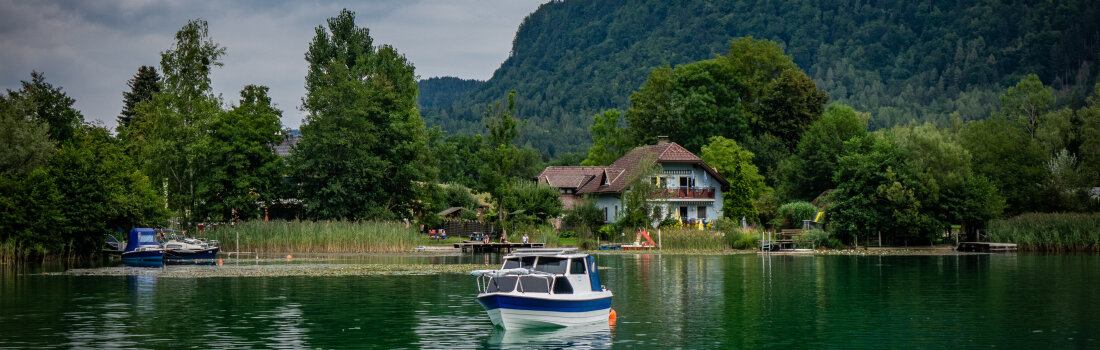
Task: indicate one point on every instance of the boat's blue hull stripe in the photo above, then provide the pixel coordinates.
(520, 303)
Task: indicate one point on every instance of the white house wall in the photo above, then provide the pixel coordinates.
(613, 202)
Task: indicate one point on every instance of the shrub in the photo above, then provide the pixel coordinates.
(822, 238)
(792, 214)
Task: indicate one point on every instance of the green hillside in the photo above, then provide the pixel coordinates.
(444, 91)
(899, 60)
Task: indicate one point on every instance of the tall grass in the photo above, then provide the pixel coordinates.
(690, 239)
(318, 237)
(1070, 232)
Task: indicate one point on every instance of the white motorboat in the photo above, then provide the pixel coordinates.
(181, 248)
(544, 288)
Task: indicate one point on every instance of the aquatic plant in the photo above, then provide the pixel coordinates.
(691, 239)
(317, 236)
(1072, 232)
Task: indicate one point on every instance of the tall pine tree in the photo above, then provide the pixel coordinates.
(143, 86)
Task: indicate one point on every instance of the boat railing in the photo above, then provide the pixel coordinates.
(487, 277)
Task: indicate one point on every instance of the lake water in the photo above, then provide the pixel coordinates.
(684, 301)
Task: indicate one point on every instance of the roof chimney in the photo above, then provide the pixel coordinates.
(662, 139)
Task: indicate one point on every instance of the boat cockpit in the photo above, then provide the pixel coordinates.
(550, 271)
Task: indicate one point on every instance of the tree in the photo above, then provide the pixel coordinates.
(26, 143)
(170, 132)
(651, 110)
(1026, 102)
(1003, 152)
(754, 90)
(243, 170)
(778, 96)
(809, 171)
(143, 86)
(1089, 134)
(584, 216)
(731, 161)
(100, 192)
(39, 101)
(872, 196)
(735, 165)
(498, 155)
(363, 153)
(942, 178)
(533, 202)
(638, 198)
(609, 139)
(452, 155)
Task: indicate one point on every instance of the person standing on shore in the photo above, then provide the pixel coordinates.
(526, 239)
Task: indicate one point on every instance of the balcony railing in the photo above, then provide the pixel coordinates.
(684, 192)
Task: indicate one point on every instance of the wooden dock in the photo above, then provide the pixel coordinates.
(985, 247)
(479, 247)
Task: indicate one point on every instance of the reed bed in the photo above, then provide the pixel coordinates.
(1068, 232)
(318, 237)
(691, 239)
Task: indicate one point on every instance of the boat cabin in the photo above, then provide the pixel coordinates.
(554, 271)
(141, 237)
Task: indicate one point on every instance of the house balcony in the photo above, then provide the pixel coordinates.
(684, 193)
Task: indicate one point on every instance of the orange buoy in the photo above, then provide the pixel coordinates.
(219, 262)
(288, 256)
(611, 317)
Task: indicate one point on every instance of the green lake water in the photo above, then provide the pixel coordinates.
(1019, 301)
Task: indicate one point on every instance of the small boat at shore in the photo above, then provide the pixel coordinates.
(544, 288)
(182, 248)
(143, 246)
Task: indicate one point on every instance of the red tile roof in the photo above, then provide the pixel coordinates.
(617, 176)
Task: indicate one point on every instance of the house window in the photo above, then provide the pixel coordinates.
(605, 218)
(702, 214)
(683, 212)
(683, 181)
(616, 211)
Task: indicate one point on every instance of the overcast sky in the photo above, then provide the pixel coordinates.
(91, 48)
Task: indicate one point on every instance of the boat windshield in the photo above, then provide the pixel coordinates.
(147, 238)
(526, 262)
(577, 268)
(551, 265)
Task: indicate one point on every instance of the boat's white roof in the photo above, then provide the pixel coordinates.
(569, 252)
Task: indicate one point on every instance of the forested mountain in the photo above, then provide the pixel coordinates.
(898, 60)
(444, 91)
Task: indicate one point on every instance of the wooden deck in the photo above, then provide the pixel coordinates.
(479, 247)
(986, 247)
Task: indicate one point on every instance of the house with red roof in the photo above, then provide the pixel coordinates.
(690, 189)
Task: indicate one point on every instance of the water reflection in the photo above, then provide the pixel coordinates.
(1015, 301)
(595, 336)
(143, 263)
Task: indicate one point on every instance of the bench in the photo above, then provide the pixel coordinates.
(794, 234)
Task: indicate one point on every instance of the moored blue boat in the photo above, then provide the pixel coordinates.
(544, 287)
(143, 246)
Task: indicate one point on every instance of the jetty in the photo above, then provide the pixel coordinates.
(480, 247)
(985, 247)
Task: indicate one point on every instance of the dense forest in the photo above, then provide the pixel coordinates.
(878, 126)
(900, 61)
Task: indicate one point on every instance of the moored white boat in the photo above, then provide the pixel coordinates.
(179, 248)
(544, 288)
